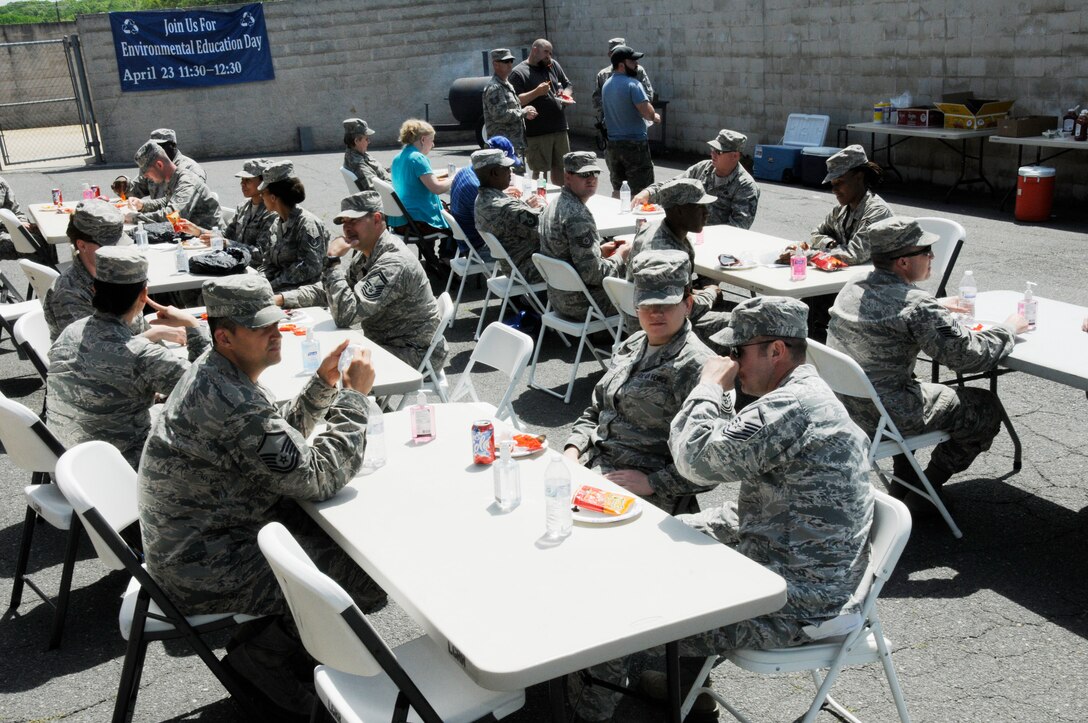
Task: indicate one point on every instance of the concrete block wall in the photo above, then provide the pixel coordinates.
(35, 72)
(333, 59)
(747, 64)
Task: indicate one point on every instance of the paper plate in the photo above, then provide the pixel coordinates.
(519, 452)
(742, 266)
(599, 518)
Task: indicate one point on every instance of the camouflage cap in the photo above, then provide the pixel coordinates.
(764, 316)
(164, 135)
(845, 160)
(623, 52)
(357, 127)
(102, 221)
(580, 162)
(245, 299)
(890, 235)
(661, 276)
(614, 42)
(120, 265)
(502, 54)
(358, 205)
(490, 157)
(680, 191)
(147, 154)
(253, 168)
(278, 171)
(728, 141)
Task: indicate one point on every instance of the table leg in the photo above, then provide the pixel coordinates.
(1017, 452)
(964, 155)
(672, 670)
(557, 699)
(889, 164)
(1019, 162)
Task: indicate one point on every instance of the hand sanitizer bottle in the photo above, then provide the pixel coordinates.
(625, 198)
(507, 478)
(798, 264)
(311, 352)
(141, 234)
(422, 419)
(1028, 307)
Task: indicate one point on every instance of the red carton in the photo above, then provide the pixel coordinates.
(919, 117)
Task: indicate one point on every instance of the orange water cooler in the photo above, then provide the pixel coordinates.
(1034, 193)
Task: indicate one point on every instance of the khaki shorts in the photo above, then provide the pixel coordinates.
(546, 152)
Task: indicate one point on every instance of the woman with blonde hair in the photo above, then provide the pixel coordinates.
(418, 188)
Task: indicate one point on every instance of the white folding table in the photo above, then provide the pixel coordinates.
(610, 222)
(1055, 147)
(510, 608)
(162, 273)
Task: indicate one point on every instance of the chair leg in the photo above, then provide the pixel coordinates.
(129, 685)
(24, 558)
(483, 314)
(889, 670)
(698, 685)
(536, 355)
(65, 583)
(457, 301)
(582, 340)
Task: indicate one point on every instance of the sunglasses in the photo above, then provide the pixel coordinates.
(588, 174)
(927, 251)
(735, 352)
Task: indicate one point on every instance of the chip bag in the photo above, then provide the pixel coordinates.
(826, 262)
(595, 499)
(175, 220)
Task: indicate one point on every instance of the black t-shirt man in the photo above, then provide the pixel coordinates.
(550, 118)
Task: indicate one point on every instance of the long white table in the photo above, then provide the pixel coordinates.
(162, 273)
(52, 225)
(610, 222)
(766, 279)
(948, 137)
(1057, 146)
(513, 610)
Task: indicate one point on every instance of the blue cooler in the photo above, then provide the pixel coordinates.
(782, 162)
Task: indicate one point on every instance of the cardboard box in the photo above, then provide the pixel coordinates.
(923, 117)
(1027, 126)
(963, 110)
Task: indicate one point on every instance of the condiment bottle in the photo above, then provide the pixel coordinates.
(1081, 132)
(507, 478)
(1069, 121)
(422, 419)
(1028, 307)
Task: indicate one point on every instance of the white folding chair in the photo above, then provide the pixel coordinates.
(561, 276)
(621, 293)
(101, 486)
(395, 210)
(505, 349)
(349, 181)
(945, 252)
(435, 379)
(515, 284)
(360, 678)
(32, 447)
(31, 333)
(863, 645)
(41, 277)
(27, 245)
(227, 214)
(466, 265)
(846, 377)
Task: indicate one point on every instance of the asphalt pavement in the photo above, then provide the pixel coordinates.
(987, 628)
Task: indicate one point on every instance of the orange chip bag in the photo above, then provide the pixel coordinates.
(175, 220)
(595, 499)
(527, 441)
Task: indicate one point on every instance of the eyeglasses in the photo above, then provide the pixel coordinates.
(735, 351)
(588, 174)
(927, 251)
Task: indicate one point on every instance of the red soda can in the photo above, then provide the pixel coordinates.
(97, 191)
(58, 197)
(483, 442)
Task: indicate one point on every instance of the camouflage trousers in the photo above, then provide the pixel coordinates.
(597, 703)
(597, 462)
(971, 415)
(573, 305)
(629, 161)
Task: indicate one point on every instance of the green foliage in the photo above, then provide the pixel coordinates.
(45, 11)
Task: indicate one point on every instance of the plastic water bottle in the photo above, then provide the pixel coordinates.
(182, 259)
(374, 454)
(217, 239)
(507, 478)
(311, 352)
(557, 499)
(625, 198)
(968, 292)
(88, 194)
(141, 234)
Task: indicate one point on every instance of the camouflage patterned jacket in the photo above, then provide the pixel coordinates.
(569, 233)
(503, 113)
(103, 380)
(365, 168)
(251, 228)
(515, 224)
(737, 194)
(219, 460)
(144, 187)
(883, 323)
(70, 300)
(845, 233)
(805, 503)
(626, 425)
(296, 250)
(658, 236)
(187, 194)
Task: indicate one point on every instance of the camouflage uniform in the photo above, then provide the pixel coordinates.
(504, 114)
(737, 194)
(515, 224)
(845, 231)
(569, 233)
(223, 460)
(7, 200)
(629, 161)
(804, 508)
(388, 295)
(186, 194)
(251, 228)
(883, 323)
(365, 169)
(296, 250)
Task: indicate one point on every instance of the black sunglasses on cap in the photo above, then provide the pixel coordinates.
(588, 174)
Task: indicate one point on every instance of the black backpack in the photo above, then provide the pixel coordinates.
(229, 261)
